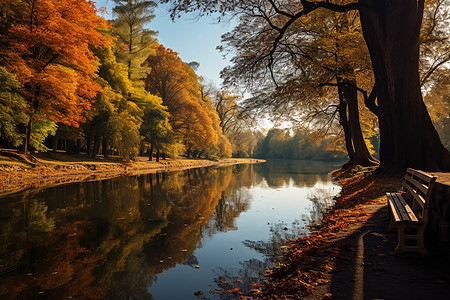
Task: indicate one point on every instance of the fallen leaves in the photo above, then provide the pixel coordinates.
(308, 259)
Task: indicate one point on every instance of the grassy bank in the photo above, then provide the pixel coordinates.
(46, 169)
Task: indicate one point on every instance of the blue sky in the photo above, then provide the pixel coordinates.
(194, 40)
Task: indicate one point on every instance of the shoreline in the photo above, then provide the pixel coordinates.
(17, 177)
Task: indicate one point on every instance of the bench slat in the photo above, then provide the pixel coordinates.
(414, 183)
(421, 175)
(392, 207)
(407, 209)
(418, 198)
(402, 212)
(401, 209)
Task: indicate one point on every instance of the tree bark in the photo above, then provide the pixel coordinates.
(408, 138)
(28, 136)
(150, 154)
(55, 142)
(157, 155)
(362, 154)
(78, 146)
(89, 144)
(105, 147)
(343, 120)
(96, 146)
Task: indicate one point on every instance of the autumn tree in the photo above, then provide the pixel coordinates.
(135, 41)
(391, 31)
(11, 110)
(48, 50)
(312, 60)
(156, 129)
(193, 117)
(236, 122)
(435, 67)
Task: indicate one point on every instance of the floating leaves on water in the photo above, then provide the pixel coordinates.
(198, 293)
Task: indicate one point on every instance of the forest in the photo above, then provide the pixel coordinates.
(72, 80)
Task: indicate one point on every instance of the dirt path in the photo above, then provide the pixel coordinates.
(17, 176)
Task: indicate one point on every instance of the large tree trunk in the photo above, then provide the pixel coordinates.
(28, 136)
(408, 138)
(343, 120)
(354, 140)
(78, 146)
(104, 146)
(89, 144)
(150, 153)
(55, 142)
(362, 154)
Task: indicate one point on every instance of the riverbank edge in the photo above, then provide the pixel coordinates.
(15, 178)
(310, 262)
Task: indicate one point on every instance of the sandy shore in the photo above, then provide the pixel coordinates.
(14, 178)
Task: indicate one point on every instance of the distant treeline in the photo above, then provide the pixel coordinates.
(280, 144)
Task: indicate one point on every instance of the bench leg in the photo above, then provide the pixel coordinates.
(401, 248)
(392, 225)
(418, 238)
(420, 241)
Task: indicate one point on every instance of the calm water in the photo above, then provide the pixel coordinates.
(158, 236)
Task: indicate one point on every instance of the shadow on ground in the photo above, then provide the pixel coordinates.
(368, 269)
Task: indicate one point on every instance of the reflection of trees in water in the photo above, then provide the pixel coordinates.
(187, 218)
(124, 231)
(252, 271)
(232, 203)
(279, 173)
(321, 201)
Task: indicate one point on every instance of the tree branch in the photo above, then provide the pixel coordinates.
(307, 8)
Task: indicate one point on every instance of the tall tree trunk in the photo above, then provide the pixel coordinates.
(150, 154)
(343, 120)
(104, 147)
(408, 138)
(362, 154)
(157, 155)
(78, 146)
(28, 136)
(96, 146)
(55, 142)
(89, 144)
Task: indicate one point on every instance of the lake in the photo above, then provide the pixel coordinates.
(159, 236)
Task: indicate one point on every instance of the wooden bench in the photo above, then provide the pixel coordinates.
(410, 211)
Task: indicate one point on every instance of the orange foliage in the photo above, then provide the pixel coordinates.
(48, 49)
(177, 84)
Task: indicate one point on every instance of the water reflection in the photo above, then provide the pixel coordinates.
(112, 238)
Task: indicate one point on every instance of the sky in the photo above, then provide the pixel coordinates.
(194, 39)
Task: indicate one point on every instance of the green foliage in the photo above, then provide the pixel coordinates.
(126, 123)
(12, 105)
(155, 128)
(38, 221)
(135, 41)
(221, 149)
(40, 130)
